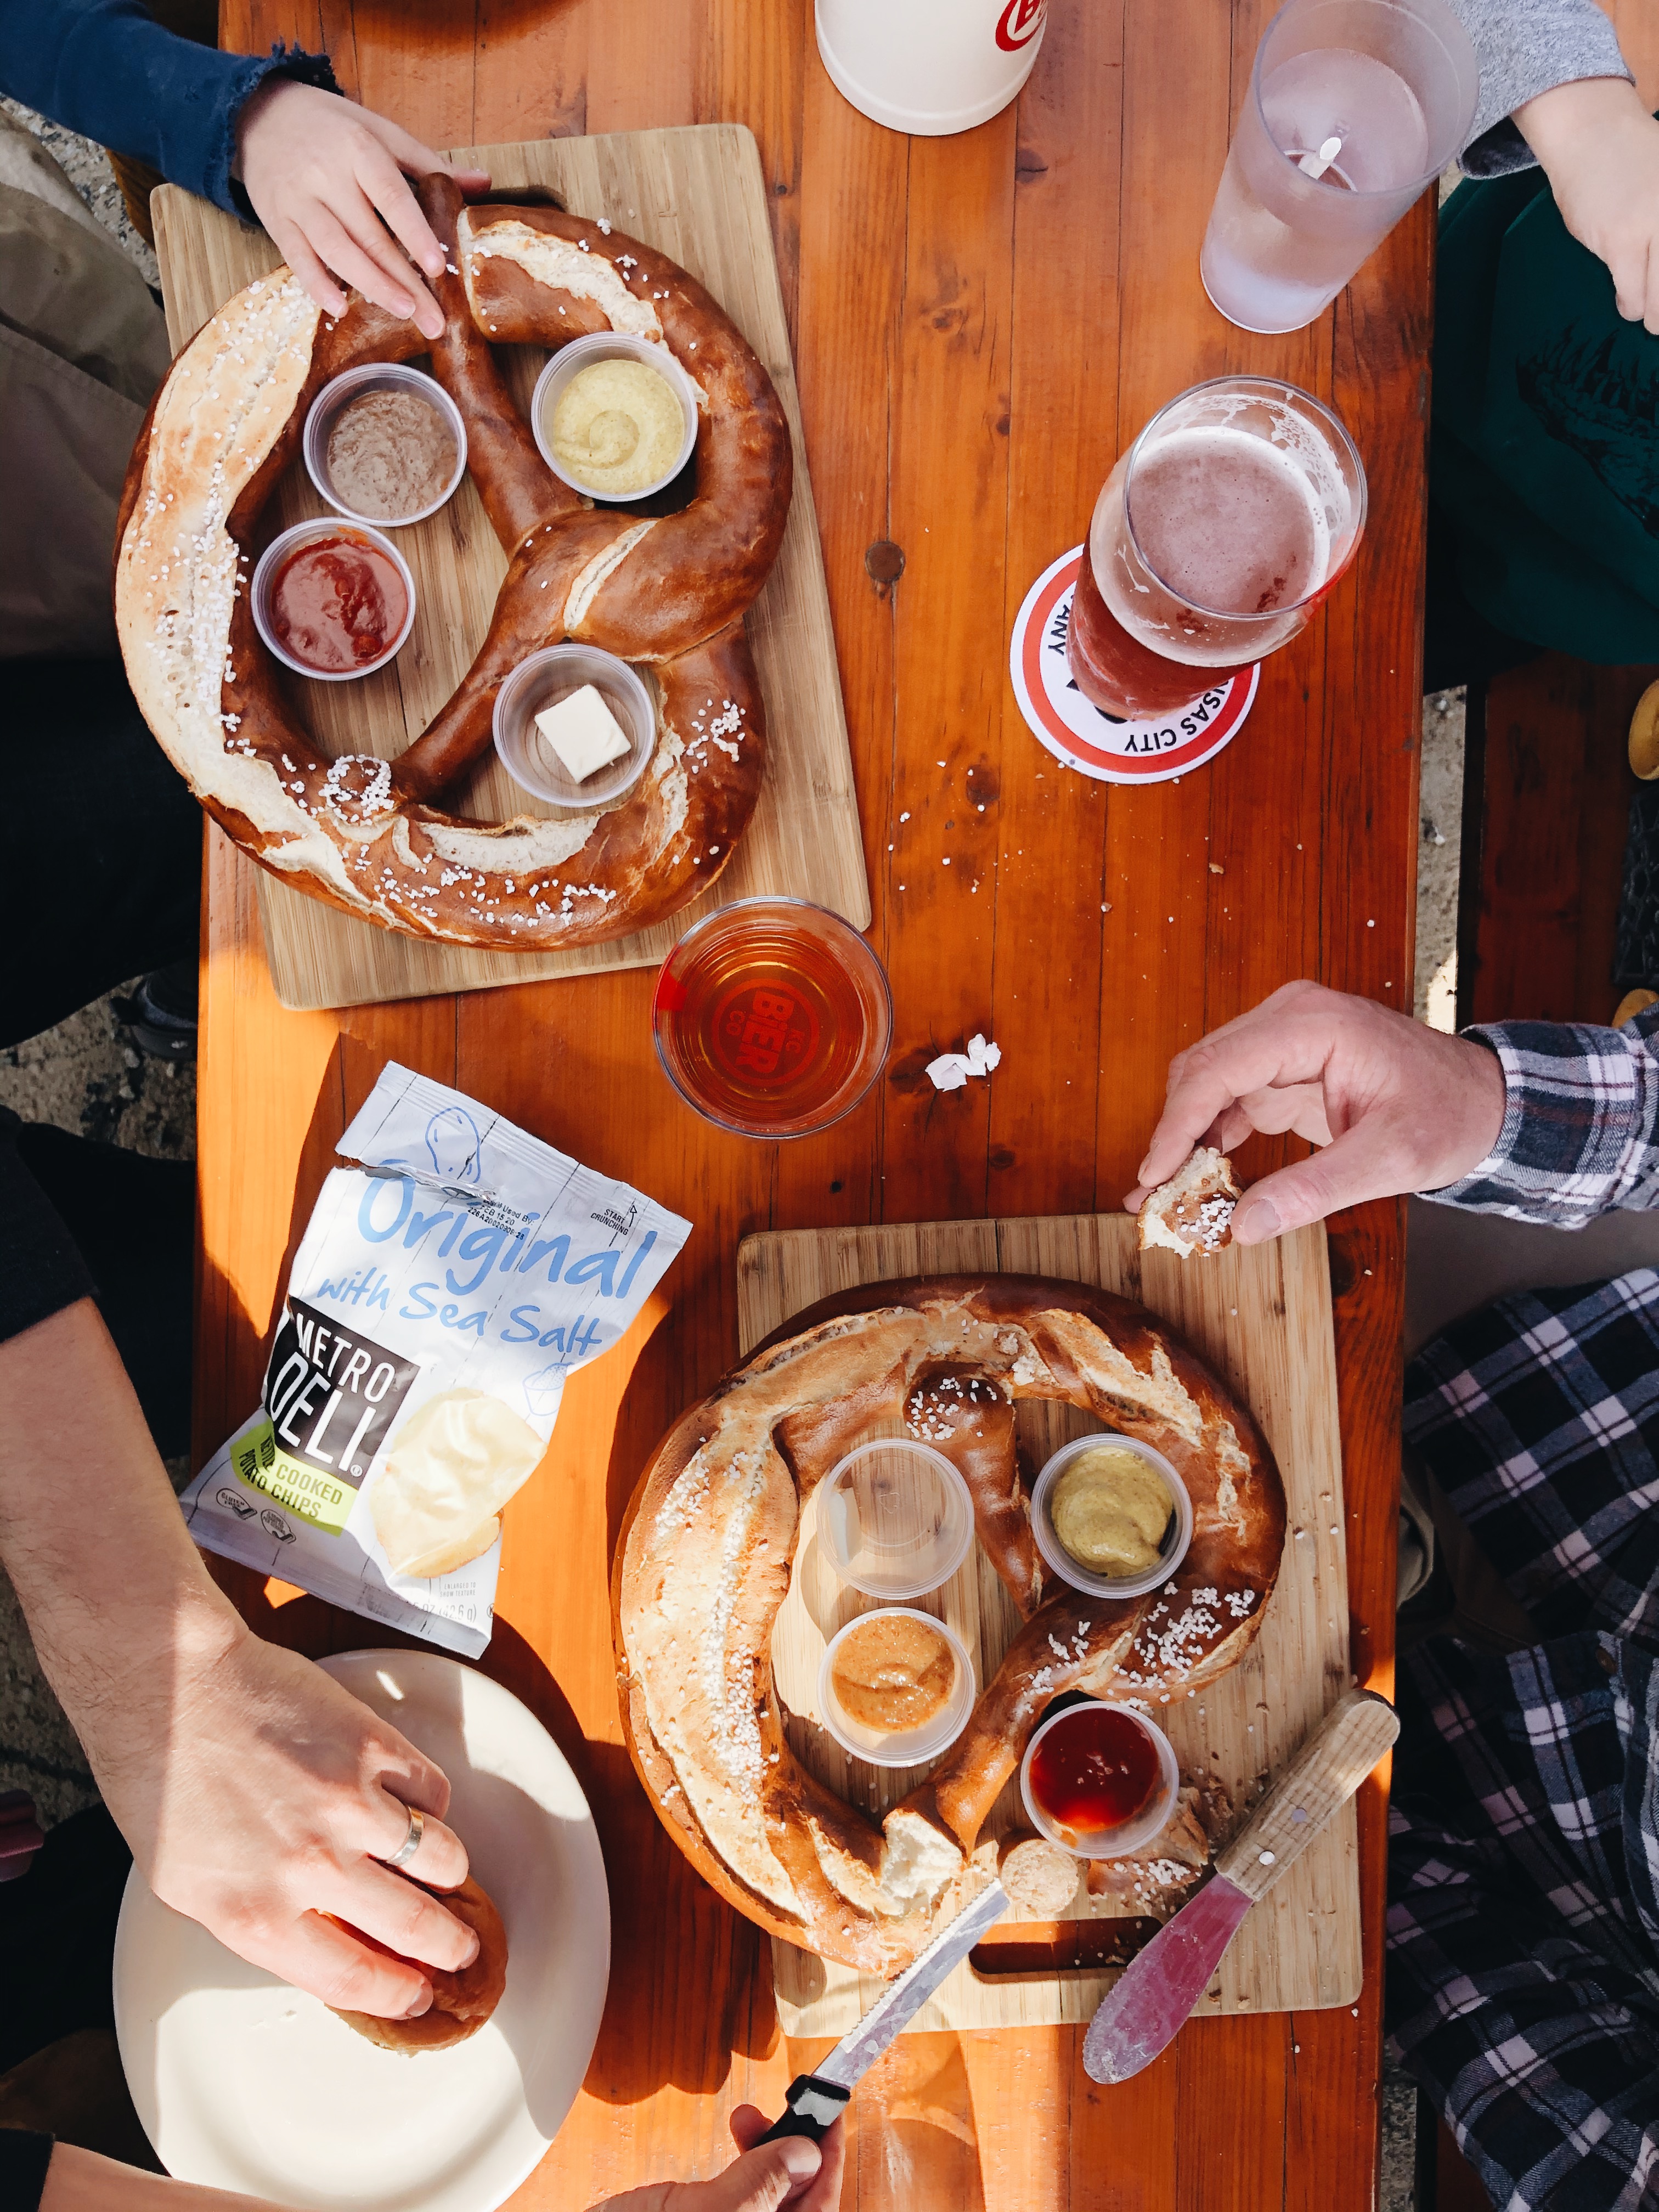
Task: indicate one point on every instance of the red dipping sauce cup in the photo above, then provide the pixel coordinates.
(772, 1017)
(333, 599)
(1099, 1780)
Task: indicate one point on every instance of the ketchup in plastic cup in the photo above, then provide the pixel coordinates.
(1217, 535)
(772, 1017)
(333, 599)
(1099, 1780)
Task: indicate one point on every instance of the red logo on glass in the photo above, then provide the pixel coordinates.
(1019, 23)
(764, 1033)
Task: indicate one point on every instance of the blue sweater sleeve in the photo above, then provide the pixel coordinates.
(107, 69)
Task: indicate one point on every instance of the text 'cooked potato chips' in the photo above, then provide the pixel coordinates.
(451, 1275)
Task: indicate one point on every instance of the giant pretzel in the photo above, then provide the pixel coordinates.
(707, 1548)
(668, 592)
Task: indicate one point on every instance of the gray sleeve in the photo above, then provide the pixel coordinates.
(1525, 47)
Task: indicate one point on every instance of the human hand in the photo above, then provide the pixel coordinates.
(258, 1796)
(326, 178)
(1397, 1106)
(1600, 148)
(803, 2175)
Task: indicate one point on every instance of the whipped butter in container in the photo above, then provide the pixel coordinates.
(455, 1271)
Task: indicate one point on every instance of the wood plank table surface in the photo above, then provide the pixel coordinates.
(979, 322)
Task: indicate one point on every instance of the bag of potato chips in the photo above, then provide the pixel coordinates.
(451, 1277)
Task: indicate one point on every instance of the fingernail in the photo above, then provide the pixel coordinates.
(801, 2157)
(423, 2004)
(1256, 1224)
(432, 262)
(476, 1947)
(1142, 1171)
(402, 304)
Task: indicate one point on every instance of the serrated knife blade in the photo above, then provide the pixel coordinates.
(815, 2100)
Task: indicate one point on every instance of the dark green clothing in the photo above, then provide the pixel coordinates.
(1545, 451)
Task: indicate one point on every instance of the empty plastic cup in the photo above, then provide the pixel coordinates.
(894, 1518)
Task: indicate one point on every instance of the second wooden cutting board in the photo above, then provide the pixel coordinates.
(697, 194)
(1262, 1318)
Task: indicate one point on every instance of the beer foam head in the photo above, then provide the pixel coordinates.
(1229, 519)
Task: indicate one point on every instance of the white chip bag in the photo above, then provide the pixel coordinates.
(448, 1280)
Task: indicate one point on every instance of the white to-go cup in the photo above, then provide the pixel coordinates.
(903, 1747)
(1128, 1836)
(569, 363)
(540, 681)
(930, 66)
(1056, 1556)
(894, 1518)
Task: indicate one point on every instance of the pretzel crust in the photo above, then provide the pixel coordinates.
(668, 593)
(707, 1547)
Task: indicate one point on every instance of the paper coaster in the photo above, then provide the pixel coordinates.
(1080, 735)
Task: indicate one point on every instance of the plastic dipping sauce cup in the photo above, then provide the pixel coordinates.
(905, 1747)
(1099, 1780)
(333, 600)
(1177, 1537)
(894, 1518)
(772, 1017)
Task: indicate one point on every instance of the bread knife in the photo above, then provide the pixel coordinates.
(816, 2101)
(1141, 2014)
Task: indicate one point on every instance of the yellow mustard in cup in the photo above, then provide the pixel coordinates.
(1111, 1510)
(618, 426)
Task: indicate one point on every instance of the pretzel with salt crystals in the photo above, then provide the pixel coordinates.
(706, 1551)
(669, 591)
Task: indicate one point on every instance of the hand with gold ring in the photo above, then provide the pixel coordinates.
(288, 1808)
(258, 1796)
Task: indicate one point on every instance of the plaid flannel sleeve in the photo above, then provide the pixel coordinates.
(1581, 1124)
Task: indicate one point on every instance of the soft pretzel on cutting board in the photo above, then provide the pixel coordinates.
(666, 592)
(706, 1551)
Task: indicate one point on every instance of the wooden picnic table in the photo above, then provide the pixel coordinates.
(979, 323)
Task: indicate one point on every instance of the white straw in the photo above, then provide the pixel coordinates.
(1315, 165)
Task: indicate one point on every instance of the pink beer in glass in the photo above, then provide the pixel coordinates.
(1215, 538)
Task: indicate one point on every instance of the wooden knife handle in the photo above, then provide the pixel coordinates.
(1324, 1774)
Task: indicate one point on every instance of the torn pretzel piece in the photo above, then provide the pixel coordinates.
(1194, 1210)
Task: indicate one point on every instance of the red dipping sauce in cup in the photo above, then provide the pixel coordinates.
(337, 604)
(1094, 1771)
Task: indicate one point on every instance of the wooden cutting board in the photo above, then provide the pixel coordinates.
(1261, 1317)
(697, 194)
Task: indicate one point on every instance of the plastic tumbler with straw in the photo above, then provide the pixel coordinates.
(1354, 107)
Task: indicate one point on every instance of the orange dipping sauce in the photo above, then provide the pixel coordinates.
(337, 604)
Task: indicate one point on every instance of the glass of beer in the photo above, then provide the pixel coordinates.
(1354, 108)
(1217, 535)
(772, 1017)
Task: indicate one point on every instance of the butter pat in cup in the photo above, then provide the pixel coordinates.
(621, 432)
(545, 683)
(896, 1687)
(894, 1518)
(1100, 1488)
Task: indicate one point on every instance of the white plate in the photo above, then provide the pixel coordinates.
(245, 2084)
